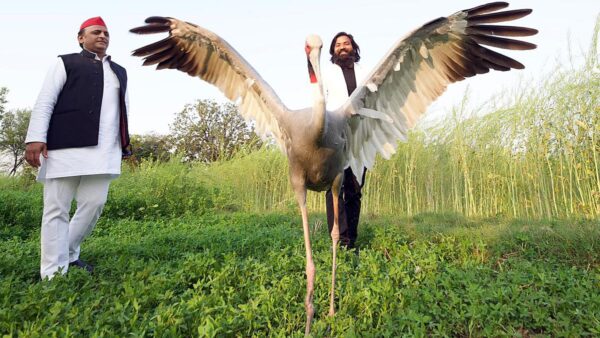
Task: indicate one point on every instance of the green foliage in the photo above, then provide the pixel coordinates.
(260, 180)
(20, 208)
(155, 190)
(207, 132)
(151, 147)
(148, 191)
(3, 101)
(20, 213)
(13, 130)
(243, 275)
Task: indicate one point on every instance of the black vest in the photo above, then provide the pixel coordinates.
(75, 121)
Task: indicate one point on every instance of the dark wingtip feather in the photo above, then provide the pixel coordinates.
(136, 30)
(486, 8)
(157, 19)
(501, 30)
(150, 29)
(498, 16)
(502, 42)
(153, 48)
(500, 60)
(155, 24)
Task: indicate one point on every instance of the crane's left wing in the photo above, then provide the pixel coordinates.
(418, 69)
(199, 52)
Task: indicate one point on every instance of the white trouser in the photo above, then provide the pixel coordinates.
(60, 238)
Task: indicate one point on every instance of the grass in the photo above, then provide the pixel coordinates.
(238, 274)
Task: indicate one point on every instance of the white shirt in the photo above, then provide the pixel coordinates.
(334, 84)
(105, 158)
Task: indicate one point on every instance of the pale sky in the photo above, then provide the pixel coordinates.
(270, 35)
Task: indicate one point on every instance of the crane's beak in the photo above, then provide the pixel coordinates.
(314, 57)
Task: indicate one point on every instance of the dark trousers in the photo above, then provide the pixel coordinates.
(349, 202)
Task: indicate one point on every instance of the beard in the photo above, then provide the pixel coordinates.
(346, 60)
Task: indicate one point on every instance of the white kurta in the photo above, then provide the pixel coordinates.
(334, 84)
(105, 158)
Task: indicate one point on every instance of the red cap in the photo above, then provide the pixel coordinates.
(96, 21)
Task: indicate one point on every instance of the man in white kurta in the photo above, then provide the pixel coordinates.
(82, 173)
(340, 78)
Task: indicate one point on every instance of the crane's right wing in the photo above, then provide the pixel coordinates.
(202, 53)
(417, 70)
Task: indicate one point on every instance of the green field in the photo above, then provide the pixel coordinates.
(174, 258)
(239, 274)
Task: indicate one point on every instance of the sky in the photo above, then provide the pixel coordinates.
(270, 35)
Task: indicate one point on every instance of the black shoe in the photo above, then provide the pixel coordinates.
(345, 243)
(353, 248)
(82, 265)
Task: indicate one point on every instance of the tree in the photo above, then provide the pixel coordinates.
(13, 130)
(3, 101)
(208, 132)
(153, 147)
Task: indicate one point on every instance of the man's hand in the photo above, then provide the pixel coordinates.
(32, 153)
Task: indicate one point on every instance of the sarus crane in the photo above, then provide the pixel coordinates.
(320, 144)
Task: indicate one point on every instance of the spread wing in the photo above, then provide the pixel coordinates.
(418, 69)
(202, 53)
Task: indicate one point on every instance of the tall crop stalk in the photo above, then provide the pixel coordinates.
(530, 153)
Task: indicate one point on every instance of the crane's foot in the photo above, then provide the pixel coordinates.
(310, 312)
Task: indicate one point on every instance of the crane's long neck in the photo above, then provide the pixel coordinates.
(318, 122)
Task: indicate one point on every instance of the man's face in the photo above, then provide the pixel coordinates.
(343, 47)
(95, 39)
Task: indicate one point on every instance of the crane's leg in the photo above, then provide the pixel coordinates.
(310, 265)
(336, 187)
